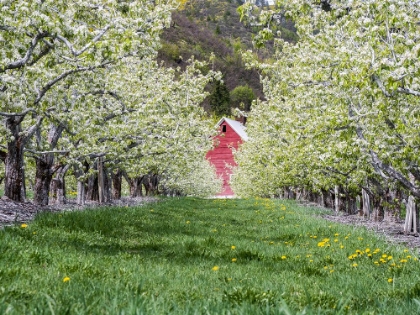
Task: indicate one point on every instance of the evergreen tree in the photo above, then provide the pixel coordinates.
(219, 99)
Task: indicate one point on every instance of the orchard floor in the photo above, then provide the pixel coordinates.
(20, 212)
(15, 213)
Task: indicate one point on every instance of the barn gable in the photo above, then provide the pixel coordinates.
(232, 134)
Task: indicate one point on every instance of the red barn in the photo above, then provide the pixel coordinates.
(232, 134)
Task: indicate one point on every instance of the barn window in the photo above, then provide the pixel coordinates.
(224, 128)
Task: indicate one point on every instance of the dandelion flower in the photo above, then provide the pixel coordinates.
(390, 280)
(355, 265)
(23, 226)
(233, 247)
(188, 222)
(215, 268)
(234, 259)
(283, 257)
(66, 279)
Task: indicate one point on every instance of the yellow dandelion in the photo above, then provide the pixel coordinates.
(311, 260)
(283, 257)
(376, 263)
(335, 240)
(355, 265)
(403, 260)
(215, 268)
(367, 250)
(66, 279)
(389, 257)
(188, 222)
(233, 259)
(233, 247)
(384, 256)
(23, 226)
(336, 234)
(408, 256)
(321, 244)
(390, 280)
(341, 246)
(405, 250)
(331, 271)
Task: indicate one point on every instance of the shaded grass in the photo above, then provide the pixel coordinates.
(193, 256)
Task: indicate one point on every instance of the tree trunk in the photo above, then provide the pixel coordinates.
(107, 185)
(43, 177)
(336, 199)
(58, 186)
(92, 192)
(14, 185)
(101, 181)
(366, 204)
(136, 186)
(116, 184)
(410, 225)
(80, 193)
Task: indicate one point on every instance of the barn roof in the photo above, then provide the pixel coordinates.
(236, 126)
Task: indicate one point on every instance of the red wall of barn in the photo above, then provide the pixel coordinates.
(222, 154)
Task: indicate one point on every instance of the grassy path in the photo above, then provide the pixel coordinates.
(193, 256)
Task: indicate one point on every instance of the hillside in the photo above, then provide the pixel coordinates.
(208, 26)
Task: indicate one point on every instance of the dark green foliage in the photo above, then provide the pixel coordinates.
(242, 97)
(219, 99)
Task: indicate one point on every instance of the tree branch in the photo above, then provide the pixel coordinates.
(64, 75)
(23, 61)
(81, 51)
(24, 113)
(408, 91)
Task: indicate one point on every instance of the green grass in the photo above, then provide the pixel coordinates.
(193, 256)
